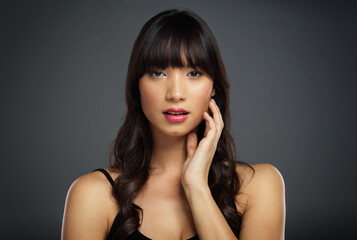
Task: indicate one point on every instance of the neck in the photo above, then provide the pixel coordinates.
(169, 154)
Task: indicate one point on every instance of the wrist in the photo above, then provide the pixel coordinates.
(198, 189)
(194, 180)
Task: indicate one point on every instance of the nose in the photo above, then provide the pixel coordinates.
(175, 88)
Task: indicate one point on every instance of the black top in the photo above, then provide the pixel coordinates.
(137, 235)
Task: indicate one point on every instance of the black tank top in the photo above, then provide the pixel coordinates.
(137, 235)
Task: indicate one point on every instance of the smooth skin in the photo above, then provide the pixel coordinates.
(176, 200)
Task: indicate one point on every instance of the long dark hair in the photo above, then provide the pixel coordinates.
(168, 39)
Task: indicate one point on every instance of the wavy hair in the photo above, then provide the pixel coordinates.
(177, 39)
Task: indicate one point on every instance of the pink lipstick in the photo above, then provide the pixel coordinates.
(176, 114)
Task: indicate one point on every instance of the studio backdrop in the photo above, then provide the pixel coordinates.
(291, 66)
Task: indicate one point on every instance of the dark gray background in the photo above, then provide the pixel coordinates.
(293, 82)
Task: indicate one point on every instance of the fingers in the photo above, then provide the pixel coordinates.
(206, 129)
(211, 127)
(216, 114)
(214, 123)
(191, 144)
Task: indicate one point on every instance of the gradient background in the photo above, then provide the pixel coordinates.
(292, 67)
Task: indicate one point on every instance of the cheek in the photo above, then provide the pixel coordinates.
(201, 97)
(146, 95)
(149, 98)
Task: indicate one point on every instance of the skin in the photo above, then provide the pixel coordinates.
(187, 88)
(176, 200)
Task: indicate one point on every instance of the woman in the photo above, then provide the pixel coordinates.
(175, 173)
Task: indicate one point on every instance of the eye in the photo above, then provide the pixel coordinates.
(195, 74)
(156, 74)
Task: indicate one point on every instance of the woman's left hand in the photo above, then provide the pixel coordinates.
(199, 158)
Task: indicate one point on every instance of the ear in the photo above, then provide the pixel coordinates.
(213, 92)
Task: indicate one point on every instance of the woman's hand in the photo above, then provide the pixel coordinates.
(199, 158)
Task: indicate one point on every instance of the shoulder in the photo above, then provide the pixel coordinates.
(264, 193)
(260, 178)
(89, 185)
(89, 202)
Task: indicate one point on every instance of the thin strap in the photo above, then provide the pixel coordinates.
(233, 202)
(110, 179)
(115, 226)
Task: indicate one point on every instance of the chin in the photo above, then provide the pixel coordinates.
(177, 131)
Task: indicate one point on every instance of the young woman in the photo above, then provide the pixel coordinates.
(175, 173)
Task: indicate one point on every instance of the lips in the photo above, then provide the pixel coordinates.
(176, 114)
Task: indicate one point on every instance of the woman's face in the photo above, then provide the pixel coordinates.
(174, 99)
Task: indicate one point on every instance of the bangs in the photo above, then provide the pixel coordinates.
(176, 42)
(175, 39)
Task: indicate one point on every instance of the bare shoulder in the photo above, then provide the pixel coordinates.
(259, 177)
(89, 202)
(264, 193)
(89, 185)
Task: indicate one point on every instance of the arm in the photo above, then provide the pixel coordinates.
(265, 212)
(264, 216)
(85, 212)
(209, 220)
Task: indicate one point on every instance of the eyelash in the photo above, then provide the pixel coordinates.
(192, 74)
(197, 73)
(153, 74)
